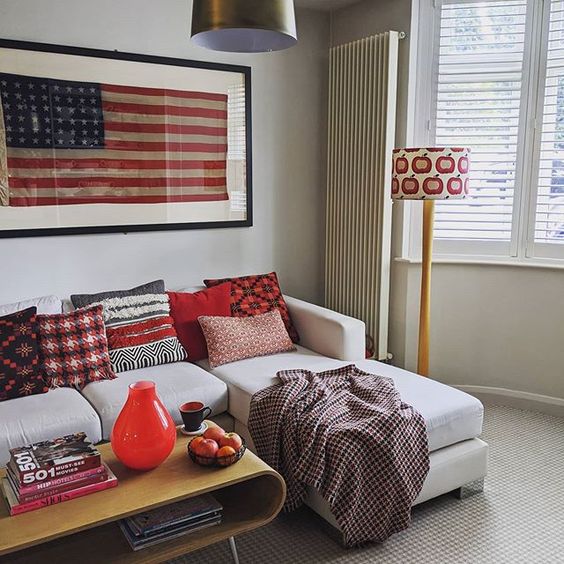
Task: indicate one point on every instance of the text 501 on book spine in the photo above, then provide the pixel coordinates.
(51, 472)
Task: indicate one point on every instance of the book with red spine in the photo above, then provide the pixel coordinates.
(65, 487)
(15, 507)
(47, 460)
(47, 485)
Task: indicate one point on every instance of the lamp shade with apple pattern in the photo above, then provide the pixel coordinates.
(434, 173)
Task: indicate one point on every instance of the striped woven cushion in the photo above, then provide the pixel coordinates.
(139, 327)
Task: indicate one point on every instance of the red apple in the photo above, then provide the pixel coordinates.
(454, 186)
(402, 165)
(226, 456)
(410, 186)
(205, 451)
(463, 165)
(445, 165)
(195, 442)
(432, 186)
(232, 440)
(214, 433)
(422, 165)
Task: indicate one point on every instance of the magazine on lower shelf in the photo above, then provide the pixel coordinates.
(171, 521)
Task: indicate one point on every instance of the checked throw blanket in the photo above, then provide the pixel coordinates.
(348, 434)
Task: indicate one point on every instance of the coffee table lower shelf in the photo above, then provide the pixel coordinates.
(247, 505)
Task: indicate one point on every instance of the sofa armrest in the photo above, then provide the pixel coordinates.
(327, 332)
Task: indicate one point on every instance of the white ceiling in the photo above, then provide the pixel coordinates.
(324, 4)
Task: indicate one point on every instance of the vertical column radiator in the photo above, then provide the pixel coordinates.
(362, 115)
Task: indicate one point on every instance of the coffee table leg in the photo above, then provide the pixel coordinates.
(233, 548)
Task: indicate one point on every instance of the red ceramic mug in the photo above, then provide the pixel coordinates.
(193, 414)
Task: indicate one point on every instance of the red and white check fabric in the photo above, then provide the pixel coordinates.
(349, 435)
(73, 348)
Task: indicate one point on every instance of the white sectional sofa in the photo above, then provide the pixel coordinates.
(328, 340)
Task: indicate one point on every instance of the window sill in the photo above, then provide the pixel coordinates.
(489, 261)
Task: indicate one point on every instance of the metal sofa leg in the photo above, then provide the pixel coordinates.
(470, 489)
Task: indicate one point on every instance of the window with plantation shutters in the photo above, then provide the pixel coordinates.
(491, 78)
(549, 209)
(477, 104)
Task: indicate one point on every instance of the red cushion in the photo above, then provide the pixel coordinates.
(185, 309)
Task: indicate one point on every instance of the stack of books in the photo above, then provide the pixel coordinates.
(171, 521)
(50, 472)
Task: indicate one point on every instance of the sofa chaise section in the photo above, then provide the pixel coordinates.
(454, 419)
(451, 416)
(42, 417)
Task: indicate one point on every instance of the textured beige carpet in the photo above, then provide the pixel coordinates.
(518, 519)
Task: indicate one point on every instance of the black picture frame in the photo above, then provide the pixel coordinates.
(152, 59)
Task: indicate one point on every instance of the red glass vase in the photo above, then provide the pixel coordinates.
(144, 433)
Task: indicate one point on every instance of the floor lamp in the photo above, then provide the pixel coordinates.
(429, 174)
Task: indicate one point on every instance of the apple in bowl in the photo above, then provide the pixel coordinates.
(216, 449)
(214, 433)
(232, 440)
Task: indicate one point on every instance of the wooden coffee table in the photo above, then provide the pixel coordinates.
(86, 530)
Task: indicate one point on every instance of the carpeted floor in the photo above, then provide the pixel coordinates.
(518, 519)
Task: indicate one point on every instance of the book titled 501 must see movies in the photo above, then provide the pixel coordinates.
(46, 460)
(16, 507)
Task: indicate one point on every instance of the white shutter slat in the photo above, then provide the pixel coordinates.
(549, 212)
(477, 104)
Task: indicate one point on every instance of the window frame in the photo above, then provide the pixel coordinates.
(522, 247)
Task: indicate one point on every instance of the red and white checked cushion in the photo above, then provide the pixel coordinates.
(235, 338)
(73, 348)
(256, 294)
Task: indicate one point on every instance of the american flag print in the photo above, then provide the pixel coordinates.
(67, 142)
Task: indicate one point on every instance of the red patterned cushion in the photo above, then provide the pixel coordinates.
(231, 338)
(256, 294)
(19, 359)
(73, 348)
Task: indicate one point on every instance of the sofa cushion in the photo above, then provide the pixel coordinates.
(139, 326)
(44, 304)
(73, 348)
(234, 338)
(20, 373)
(450, 414)
(43, 417)
(256, 294)
(186, 307)
(176, 383)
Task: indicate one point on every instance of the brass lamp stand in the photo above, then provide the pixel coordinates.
(429, 174)
(425, 300)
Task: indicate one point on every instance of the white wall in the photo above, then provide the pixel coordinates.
(289, 109)
(492, 326)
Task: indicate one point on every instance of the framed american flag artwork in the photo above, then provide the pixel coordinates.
(100, 141)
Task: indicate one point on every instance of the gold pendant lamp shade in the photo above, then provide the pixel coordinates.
(244, 26)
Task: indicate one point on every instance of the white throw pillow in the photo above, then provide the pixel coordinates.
(44, 304)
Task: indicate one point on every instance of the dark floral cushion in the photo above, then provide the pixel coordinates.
(20, 373)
